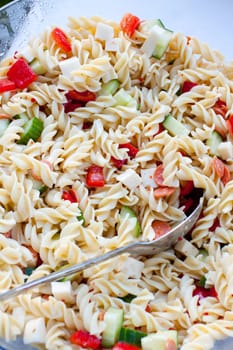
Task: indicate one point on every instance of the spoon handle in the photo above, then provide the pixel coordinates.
(54, 276)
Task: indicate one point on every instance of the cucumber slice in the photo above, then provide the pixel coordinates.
(29, 270)
(124, 99)
(67, 278)
(113, 319)
(37, 67)
(202, 281)
(110, 88)
(39, 186)
(32, 130)
(3, 125)
(214, 141)
(126, 211)
(163, 41)
(174, 127)
(131, 336)
(158, 341)
(204, 253)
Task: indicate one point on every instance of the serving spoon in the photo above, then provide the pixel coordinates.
(136, 248)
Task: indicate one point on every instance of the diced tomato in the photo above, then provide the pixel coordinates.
(183, 153)
(61, 39)
(216, 224)
(87, 125)
(158, 175)
(129, 24)
(132, 150)
(188, 204)
(187, 188)
(160, 228)
(125, 346)
(70, 195)
(170, 345)
(95, 176)
(187, 86)
(205, 292)
(148, 308)
(118, 162)
(221, 170)
(6, 85)
(162, 192)
(85, 339)
(84, 96)
(21, 74)
(226, 176)
(229, 123)
(71, 106)
(220, 107)
(161, 129)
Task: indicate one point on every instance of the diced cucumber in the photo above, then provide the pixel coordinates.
(110, 88)
(204, 253)
(157, 41)
(174, 127)
(37, 67)
(3, 125)
(29, 270)
(214, 141)
(128, 298)
(22, 116)
(131, 336)
(124, 99)
(126, 211)
(67, 278)
(159, 340)
(39, 186)
(113, 319)
(32, 130)
(202, 281)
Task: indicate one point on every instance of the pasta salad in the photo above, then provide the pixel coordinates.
(108, 133)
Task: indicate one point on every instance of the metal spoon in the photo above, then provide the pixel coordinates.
(135, 248)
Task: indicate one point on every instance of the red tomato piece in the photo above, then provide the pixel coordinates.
(70, 195)
(205, 292)
(95, 176)
(188, 204)
(87, 125)
(132, 150)
(71, 106)
(226, 176)
(162, 192)
(216, 224)
(220, 107)
(187, 86)
(158, 175)
(218, 167)
(6, 85)
(161, 129)
(118, 162)
(129, 24)
(187, 188)
(85, 339)
(160, 228)
(229, 123)
(125, 346)
(21, 74)
(84, 96)
(61, 40)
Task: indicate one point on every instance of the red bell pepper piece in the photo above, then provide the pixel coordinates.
(84, 96)
(21, 74)
(61, 40)
(161, 129)
(70, 195)
(187, 86)
(229, 123)
(6, 85)
(220, 107)
(188, 204)
(87, 125)
(85, 340)
(129, 23)
(187, 188)
(125, 346)
(216, 224)
(132, 150)
(118, 162)
(71, 106)
(95, 176)
(160, 228)
(205, 292)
